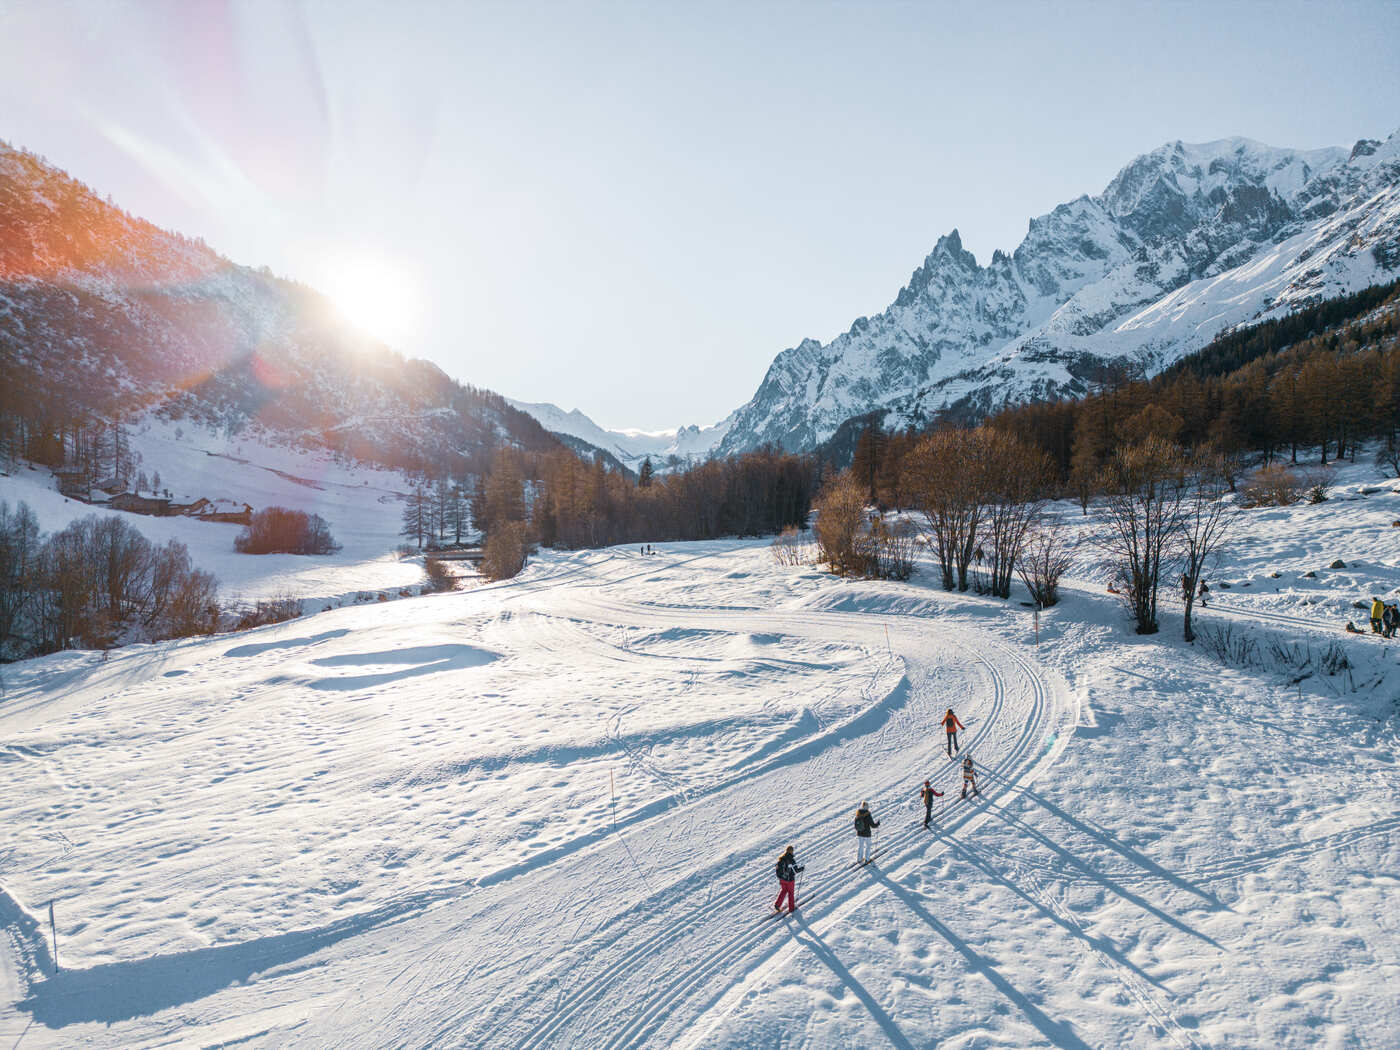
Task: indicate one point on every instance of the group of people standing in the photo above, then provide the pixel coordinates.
(865, 822)
(1384, 618)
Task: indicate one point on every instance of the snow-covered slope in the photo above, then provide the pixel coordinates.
(1186, 241)
(396, 825)
(106, 315)
(665, 448)
(362, 504)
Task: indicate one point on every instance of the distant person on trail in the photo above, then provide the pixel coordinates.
(1390, 620)
(864, 824)
(951, 725)
(969, 778)
(1377, 615)
(1203, 594)
(787, 881)
(928, 795)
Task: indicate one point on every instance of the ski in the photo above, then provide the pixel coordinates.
(859, 864)
(774, 913)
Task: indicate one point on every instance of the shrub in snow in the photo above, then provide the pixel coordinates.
(280, 530)
(440, 577)
(1273, 486)
(95, 583)
(504, 556)
(792, 547)
(1388, 458)
(840, 525)
(269, 610)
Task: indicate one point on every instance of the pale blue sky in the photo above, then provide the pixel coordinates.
(630, 208)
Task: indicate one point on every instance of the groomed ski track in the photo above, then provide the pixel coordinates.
(645, 934)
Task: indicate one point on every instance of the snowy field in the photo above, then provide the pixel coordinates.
(362, 505)
(545, 813)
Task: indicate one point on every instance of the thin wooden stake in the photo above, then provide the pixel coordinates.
(612, 793)
(53, 929)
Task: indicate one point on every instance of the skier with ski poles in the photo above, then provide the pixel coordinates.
(951, 725)
(864, 824)
(928, 795)
(787, 880)
(969, 778)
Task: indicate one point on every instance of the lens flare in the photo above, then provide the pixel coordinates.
(374, 294)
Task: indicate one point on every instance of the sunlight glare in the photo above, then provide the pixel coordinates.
(374, 294)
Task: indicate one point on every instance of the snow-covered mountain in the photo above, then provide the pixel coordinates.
(103, 314)
(1186, 241)
(665, 448)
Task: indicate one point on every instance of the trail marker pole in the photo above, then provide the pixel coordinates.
(53, 929)
(888, 646)
(612, 793)
(1037, 623)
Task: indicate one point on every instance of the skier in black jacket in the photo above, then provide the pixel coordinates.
(864, 824)
(787, 881)
(928, 795)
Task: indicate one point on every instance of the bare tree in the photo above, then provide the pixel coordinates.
(505, 550)
(943, 479)
(1013, 476)
(1207, 519)
(840, 525)
(892, 556)
(1144, 488)
(1045, 557)
(19, 570)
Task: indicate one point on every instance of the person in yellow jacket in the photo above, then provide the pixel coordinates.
(1377, 612)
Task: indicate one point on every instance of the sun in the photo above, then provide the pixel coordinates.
(374, 294)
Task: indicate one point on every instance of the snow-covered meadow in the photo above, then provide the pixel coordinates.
(363, 506)
(545, 813)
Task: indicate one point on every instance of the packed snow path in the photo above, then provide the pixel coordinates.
(629, 942)
(615, 934)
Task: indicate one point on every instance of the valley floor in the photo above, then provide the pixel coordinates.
(395, 825)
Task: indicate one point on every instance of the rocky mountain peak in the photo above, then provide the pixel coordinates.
(1185, 240)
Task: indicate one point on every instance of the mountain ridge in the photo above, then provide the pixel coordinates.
(106, 315)
(1186, 240)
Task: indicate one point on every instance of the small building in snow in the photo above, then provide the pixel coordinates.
(137, 504)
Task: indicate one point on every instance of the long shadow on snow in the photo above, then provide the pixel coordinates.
(258, 648)
(810, 939)
(124, 990)
(973, 856)
(1103, 880)
(1106, 838)
(868, 721)
(418, 660)
(1059, 1033)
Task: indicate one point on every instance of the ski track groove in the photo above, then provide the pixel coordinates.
(661, 1003)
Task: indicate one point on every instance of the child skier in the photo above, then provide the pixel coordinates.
(787, 881)
(951, 725)
(864, 823)
(928, 795)
(969, 777)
